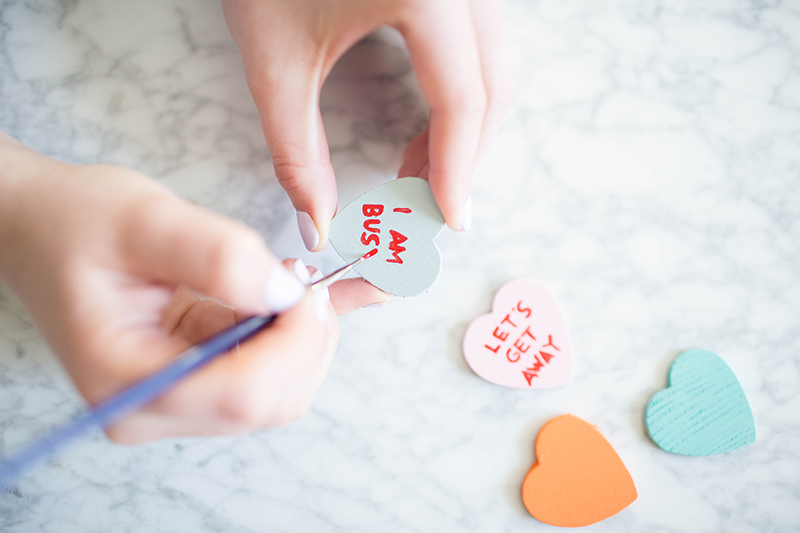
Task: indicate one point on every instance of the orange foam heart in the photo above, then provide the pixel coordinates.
(578, 478)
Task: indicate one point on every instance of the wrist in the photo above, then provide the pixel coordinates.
(19, 168)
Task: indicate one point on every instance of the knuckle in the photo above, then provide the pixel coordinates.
(282, 420)
(145, 215)
(246, 408)
(242, 406)
(119, 436)
(293, 171)
(303, 406)
(297, 415)
(230, 249)
(332, 332)
(406, 11)
(100, 350)
(147, 211)
(501, 98)
(294, 413)
(127, 434)
(470, 103)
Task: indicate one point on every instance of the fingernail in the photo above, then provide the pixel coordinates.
(322, 298)
(466, 215)
(376, 304)
(308, 230)
(283, 291)
(301, 272)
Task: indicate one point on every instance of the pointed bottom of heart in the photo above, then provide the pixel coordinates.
(578, 478)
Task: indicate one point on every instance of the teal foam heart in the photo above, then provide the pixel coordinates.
(703, 411)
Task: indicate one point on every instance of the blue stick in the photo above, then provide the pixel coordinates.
(132, 398)
(148, 389)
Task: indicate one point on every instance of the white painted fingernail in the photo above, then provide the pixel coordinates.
(316, 276)
(466, 215)
(301, 272)
(284, 289)
(376, 304)
(322, 298)
(308, 230)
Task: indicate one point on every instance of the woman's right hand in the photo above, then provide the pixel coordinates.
(104, 258)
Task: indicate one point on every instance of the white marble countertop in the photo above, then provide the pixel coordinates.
(647, 173)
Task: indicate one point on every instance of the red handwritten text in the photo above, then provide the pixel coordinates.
(371, 235)
(513, 338)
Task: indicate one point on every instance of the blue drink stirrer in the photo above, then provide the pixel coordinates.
(148, 389)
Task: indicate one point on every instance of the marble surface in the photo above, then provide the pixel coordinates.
(647, 173)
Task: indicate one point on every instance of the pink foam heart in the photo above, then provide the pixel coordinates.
(523, 343)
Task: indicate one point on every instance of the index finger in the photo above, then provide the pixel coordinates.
(444, 52)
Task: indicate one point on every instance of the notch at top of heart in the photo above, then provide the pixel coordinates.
(400, 220)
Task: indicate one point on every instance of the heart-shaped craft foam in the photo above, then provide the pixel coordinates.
(523, 342)
(578, 479)
(703, 411)
(399, 219)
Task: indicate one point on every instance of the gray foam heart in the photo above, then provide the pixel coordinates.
(400, 236)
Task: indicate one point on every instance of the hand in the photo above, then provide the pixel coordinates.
(99, 256)
(458, 52)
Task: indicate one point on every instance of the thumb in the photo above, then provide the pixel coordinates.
(174, 242)
(288, 105)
